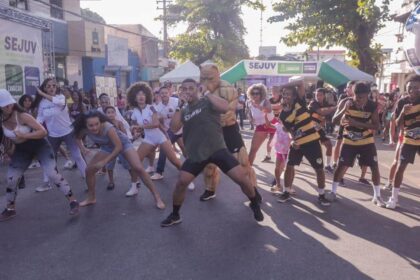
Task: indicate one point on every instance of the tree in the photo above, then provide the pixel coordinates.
(324, 23)
(215, 30)
(91, 15)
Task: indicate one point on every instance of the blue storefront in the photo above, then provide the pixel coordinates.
(124, 75)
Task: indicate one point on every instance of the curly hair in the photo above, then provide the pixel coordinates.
(260, 87)
(134, 89)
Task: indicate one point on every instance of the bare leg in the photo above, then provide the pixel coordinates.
(257, 139)
(136, 166)
(169, 151)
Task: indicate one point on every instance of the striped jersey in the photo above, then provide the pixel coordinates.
(357, 136)
(411, 121)
(300, 123)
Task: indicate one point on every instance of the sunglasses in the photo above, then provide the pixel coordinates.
(255, 93)
(53, 86)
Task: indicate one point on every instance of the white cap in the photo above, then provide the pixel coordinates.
(6, 98)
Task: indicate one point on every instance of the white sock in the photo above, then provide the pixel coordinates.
(134, 184)
(334, 187)
(377, 191)
(288, 190)
(395, 192)
(321, 191)
(328, 160)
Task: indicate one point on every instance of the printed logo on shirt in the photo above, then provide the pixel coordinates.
(192, 114)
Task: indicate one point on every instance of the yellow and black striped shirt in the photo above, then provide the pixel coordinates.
(357, 136)
(300, 123)
(411, 121)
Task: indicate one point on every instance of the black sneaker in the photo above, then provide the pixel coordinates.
(329, 169)
(266, 159)
(364, 181)
(207, 195)
(74, 208)
(323, 201)
(110, 187)
(283, 197)
(171, 220)
(7, 214)
(21, 182)
(341, 183)
(258, 215)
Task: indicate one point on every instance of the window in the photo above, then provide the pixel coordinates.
(20, 4)
(57, 9)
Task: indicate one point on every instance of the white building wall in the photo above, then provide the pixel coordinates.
(74, 69)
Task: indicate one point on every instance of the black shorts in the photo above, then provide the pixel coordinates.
(222, 158)
(366, 155)
(408, 153)
(312, 152)
(233, 138)
(340, 132)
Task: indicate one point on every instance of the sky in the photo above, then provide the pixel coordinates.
(145, 11)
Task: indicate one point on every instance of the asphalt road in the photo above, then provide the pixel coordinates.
(120, 238)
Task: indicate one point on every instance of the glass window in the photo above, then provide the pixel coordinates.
(57, 9)
(20, 4)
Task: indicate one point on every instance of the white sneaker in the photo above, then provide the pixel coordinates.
(132, 191)
(378, 201)
(391, 203)
(68, 165)
(191, 186)
(150, 169)
(156, 176)
(34, 164)
(45, 187)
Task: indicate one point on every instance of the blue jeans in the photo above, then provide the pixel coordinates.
(162, 156)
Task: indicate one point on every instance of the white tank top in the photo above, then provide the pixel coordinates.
(258, 115)
(11, 133)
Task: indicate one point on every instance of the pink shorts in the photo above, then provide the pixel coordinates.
(265, 128)
(281, 157)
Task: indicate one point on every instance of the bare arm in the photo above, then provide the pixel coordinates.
(176, 122)
(219, 104)
(38, 131)
(340, 112)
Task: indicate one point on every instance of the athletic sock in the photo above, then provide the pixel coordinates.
(175, 209)
(334, 187)
(395, 192)
(134, 184)
(376, 191)
(328, 160)
(321, 191)
(288, 190)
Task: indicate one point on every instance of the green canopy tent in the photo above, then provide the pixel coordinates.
(332, 71)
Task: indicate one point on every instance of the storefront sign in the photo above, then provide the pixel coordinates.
(274, 68)
(20, 51)
(117, 49)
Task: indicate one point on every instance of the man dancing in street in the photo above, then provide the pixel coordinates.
(204, 144)
(210, 79)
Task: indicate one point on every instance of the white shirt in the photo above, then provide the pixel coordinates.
(166, 112)
(55, 114)
(258, 115)
(120, 118)
(145, 117)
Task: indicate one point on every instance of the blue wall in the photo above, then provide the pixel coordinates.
(96, 67)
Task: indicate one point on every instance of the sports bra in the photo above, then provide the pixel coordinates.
(11, 133)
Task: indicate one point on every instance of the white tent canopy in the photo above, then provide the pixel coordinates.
(188, 70)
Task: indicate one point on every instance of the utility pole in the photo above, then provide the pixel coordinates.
(164, 7)
(261, 26)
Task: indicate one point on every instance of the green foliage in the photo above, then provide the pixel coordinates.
(215, 30)
(325, 23)
(88, 14)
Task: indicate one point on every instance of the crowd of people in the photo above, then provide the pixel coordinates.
(202, 121)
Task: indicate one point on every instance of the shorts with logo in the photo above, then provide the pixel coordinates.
(408, 153)
(222, 158)
(233, 138)
(366, 155)
(312, 152)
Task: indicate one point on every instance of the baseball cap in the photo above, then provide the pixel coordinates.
(6, 98)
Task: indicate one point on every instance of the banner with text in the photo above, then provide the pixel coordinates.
(21, 60)
(284, 68)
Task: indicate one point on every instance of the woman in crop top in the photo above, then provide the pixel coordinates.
(29, 139)
(262, 116)
(145, 116)
(112, 142)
